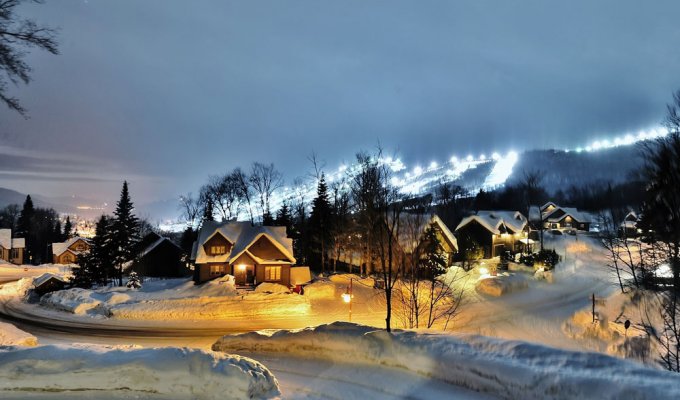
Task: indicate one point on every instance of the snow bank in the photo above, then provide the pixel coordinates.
(320, 290)
(18, 288)
(10, 335)
(608, 333)
(268, 287)
(83, 301)
(167, 372)
(508, 369)
(500, 285)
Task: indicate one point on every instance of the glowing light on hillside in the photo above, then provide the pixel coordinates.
(454, 160)
(433, 165)
(417, 170)
(495, 156)
(470, 158)
(342, 168)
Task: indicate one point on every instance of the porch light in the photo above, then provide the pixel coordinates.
(241, 267)
(483, 270)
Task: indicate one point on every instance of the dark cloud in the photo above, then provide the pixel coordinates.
(175, 91)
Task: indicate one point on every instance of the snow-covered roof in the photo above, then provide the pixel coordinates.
(6, 238)
(242, 235)
(155, 244)
(493, 220)
(8, 243)
(413, 226)
(556, 216)
(46, 277)
(548, 204)
(60, 248)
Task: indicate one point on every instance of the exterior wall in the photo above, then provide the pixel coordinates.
(217, 240)
(265, 249)
(79, 246)
(65, 258)
(479, 234)
(241, 274)
(202, 272)
(19, 259)
(4, 254)
(285, 274)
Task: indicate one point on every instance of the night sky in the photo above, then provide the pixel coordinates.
(164, 93)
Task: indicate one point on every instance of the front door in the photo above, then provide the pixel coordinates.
(245, 274)
(250, 275)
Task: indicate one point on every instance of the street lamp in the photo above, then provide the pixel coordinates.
(347, 298)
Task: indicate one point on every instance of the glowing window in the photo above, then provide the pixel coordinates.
(272, 273)
(216, 250)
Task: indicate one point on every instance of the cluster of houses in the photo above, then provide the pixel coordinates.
(256, 254)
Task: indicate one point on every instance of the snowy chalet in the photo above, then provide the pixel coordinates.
(158, 256)
(252, 254)
(494, 231)
(412, 234)
(67, 252)
(556, 217)
(11, 249)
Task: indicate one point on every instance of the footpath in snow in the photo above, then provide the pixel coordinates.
(506, 369)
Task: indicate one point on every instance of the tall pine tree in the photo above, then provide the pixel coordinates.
(68, 228)
(124, 232)
(320, 223)
(25, 218)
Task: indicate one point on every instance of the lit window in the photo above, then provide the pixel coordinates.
(272, 273)
(215, 250)
(216, 270)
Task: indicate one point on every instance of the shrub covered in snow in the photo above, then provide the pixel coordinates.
(166, 372)
(507, 369)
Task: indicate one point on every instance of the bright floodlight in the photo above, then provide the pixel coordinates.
(346, 297)
(417, 170)
(470, 158)
(433, 165)
(512, 155)
(496, 156)
(454, 160)
(342, 168)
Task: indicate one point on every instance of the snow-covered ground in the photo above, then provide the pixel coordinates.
(168, 373)
(505, 369)
(10, 272)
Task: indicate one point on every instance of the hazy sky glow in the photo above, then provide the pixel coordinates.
(165, 93)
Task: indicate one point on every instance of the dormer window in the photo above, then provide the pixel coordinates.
(218, 250)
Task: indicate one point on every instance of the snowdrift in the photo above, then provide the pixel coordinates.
(508, 369)
(501, 285)
(12, 336)
(166, 372)
(83, 301)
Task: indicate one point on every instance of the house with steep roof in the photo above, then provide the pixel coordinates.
(495, 231)
(158, 256)
(567, 217)
(252, 254)
(11, 249)
(412, 231)
(67, 252)
(629, 226)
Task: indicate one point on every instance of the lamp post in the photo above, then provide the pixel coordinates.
(347, 298)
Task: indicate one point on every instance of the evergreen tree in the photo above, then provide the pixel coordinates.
(57, 235)
(267, 219)
(133, 281)
(186, 242)
(101, 252)
(124, 232)
(68, 228)
(320, 223)
(208, 210)
(25, 218)
(283, 218)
